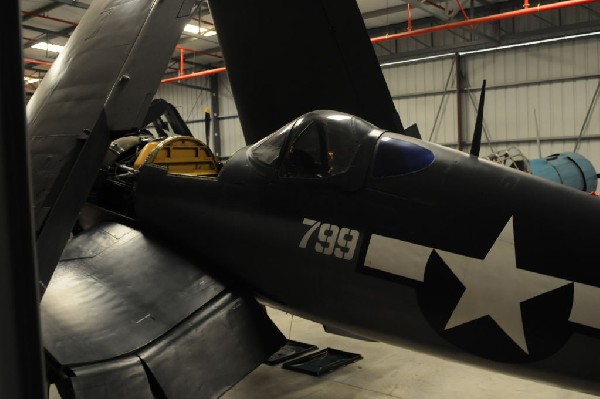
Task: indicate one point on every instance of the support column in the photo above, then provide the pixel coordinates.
(21, 369)
(586, 120)
(459, 124)
(216, 132)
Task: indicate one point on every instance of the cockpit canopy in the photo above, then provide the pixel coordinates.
(315, 145)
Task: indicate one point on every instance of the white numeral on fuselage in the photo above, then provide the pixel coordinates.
(331, 239)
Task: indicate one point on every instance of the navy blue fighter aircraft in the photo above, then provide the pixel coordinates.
(334, 212)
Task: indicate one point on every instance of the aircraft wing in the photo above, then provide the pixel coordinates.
(102, 82)
(126, 317)
(333, 65)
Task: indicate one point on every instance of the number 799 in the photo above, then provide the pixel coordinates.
(331, 239)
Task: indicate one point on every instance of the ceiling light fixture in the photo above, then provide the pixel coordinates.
(192, 29)
(54, 48)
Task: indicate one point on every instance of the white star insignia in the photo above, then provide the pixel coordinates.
(495, 286)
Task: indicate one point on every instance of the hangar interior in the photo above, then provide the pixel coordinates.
(543, 84)
(541, 70)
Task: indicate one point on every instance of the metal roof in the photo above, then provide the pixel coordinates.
(52, 21)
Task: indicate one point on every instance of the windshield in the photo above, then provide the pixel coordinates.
(267, 150)
(307, 154)
(318, 144)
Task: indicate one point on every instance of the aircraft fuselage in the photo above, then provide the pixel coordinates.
(412, 243)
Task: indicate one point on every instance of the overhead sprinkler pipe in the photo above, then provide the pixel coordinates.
(31, 14)
(482, 20)
(32, 61)
(194, 75)
(454, 25)
(191, 50)
(203, 21)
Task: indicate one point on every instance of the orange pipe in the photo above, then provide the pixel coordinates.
(463, 11)
(191, 50)
(194, 75)
(203, 21)
(396, 36)
(470, 22)
(181, 62)
(32, 61)
(489, 18)
(31, 14)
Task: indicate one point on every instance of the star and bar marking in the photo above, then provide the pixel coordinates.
(494, 286)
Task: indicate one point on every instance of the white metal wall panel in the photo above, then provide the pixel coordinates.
(190, 102)
(232, 138)
(591, 150)
(417, 78)
(422, 111)
(554, 81)
(564, 59)
(418, 92)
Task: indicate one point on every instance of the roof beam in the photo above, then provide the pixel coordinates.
(48, 34)
(441, 15)
(382, 12)
(41, 10)
(73, 3)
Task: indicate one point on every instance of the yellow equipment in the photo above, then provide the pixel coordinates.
(180, 155)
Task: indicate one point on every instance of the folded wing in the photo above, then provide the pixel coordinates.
(102, 83)
(126, 317)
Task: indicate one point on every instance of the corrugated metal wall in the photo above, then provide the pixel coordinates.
(232, 138)
(422, 93)
(191, 103)
(554, 81)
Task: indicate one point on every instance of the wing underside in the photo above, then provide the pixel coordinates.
(100, 85)
(126, 317)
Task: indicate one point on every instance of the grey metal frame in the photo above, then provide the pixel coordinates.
(22, 369)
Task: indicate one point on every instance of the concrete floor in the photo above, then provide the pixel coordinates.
(385, 372)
